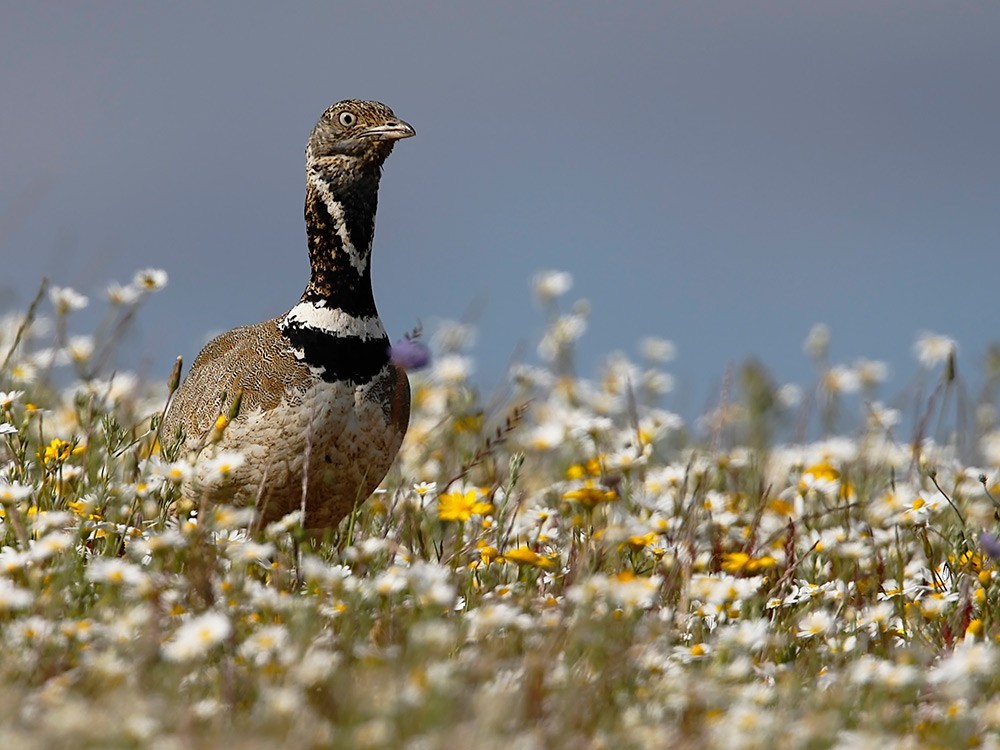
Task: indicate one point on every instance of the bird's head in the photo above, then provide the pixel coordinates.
(355, 134)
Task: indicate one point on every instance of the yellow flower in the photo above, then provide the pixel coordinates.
(218, 428)
(57, 451)
(456, 506)
(823, 470)
(527, 556)
(781, 507)
(578, 471)
(640, 541)
(971, 561)
(741, 562)
(84, 509)
(487, 553)
(590, 495)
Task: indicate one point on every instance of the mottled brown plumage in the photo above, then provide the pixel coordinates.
(323, 410)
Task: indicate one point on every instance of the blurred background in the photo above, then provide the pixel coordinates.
(720, 174)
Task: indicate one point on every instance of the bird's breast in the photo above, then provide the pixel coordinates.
(338, 437)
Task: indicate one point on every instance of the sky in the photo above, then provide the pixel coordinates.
(722, 174)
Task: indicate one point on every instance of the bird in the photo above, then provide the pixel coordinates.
(311, 399)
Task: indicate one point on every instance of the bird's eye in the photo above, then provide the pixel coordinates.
(348, 118)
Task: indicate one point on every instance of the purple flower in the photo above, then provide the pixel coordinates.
(410, 354)
(990, 544)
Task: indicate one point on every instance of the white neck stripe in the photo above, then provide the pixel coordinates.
(335, 321)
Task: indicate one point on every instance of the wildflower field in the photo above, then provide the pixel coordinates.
(568, 565)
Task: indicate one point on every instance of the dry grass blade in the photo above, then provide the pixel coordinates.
(29, 318)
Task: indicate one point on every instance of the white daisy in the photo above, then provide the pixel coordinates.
(197, 637)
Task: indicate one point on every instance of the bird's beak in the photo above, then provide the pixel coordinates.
(391, 130)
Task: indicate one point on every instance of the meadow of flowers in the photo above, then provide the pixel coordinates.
(568, 565)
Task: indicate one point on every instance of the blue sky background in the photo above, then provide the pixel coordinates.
(721, 174)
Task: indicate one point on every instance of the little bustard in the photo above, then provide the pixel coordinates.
(322, 410)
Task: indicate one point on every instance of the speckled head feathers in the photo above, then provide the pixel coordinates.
(356, 128)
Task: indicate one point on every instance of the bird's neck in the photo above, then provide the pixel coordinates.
(340, 225)
(335, 328)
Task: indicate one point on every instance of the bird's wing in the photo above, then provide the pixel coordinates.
(254, 360)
